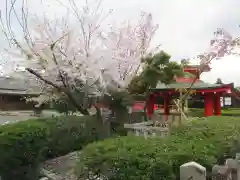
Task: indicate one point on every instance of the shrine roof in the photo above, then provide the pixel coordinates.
(200, 85)
(191, 66)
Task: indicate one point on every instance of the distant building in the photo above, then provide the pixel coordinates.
(13, 92)
(204, 94)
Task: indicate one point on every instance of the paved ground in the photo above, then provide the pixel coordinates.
(15, 116)
(62, 166)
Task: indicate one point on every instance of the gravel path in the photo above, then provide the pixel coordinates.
(62, 166)
(15, 116)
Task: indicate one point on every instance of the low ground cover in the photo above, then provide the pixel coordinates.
(199, 112)
(206, 141)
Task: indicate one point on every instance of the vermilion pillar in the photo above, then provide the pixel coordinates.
(217, 105)
(208, 103)
(166, 104)
(150, 106)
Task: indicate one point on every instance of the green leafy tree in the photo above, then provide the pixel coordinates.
(219, 81)
(185, 62)
(158, 68)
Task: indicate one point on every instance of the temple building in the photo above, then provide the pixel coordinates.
(13, 92)
(211, 94)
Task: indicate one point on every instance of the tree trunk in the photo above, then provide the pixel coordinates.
(145, 112)
(98, 112)
(121, 117)
(75, 103)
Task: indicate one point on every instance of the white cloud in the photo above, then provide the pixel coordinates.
(227, 68)
(186, 26)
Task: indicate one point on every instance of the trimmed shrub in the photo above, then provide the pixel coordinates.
(206, 141)
(20, 150)
(24, 145)
(67, 134)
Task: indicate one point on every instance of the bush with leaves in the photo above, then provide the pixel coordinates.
(64, 105)
(24, 145)
(20, 149)
(118, 102)
(67, 134)
(206, 141)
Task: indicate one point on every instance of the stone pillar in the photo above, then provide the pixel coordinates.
(150, 106)
(166, 104)
(208, 103)
(221, 172)
(238, 165)
(217, 105)
(192, 171)
(232, 164)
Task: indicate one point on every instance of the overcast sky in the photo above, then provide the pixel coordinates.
(185, 27)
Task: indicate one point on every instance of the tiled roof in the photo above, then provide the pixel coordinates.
(185, 82)
(197, 85)
(10, 85)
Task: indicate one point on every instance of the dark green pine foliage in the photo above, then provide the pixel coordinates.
(185, 62)
(158, 69)
(219, 81)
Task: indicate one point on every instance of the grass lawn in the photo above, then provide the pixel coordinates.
(225, 112)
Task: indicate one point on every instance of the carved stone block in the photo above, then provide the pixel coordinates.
(221, 172)
(192, 171)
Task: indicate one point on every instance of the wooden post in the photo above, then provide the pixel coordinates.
(217, 105)
(150, 106)
(208, 103)
(186, 104)
(166, 104)
(181, 109)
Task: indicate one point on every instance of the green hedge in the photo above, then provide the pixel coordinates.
(206, 141)
(24, 145)
(67, 134)
(198, 112)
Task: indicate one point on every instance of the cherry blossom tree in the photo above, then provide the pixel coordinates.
(222, 44)
(77, 53)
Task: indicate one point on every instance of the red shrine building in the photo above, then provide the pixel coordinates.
(211, 93)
